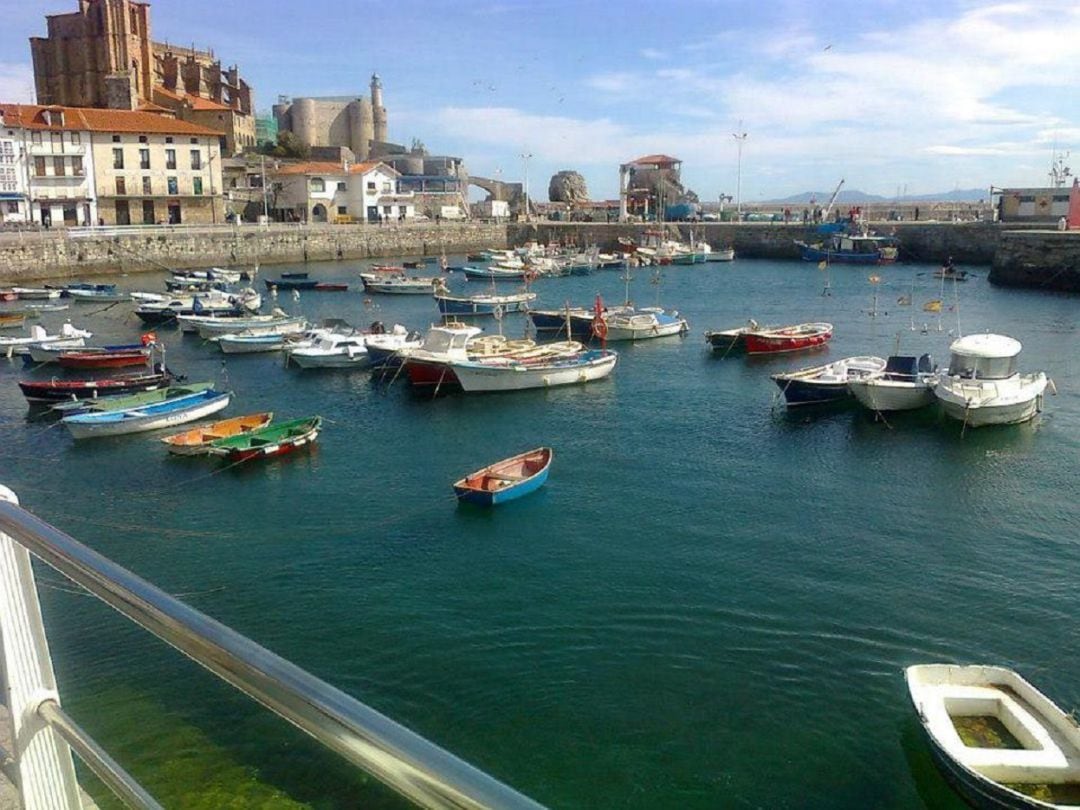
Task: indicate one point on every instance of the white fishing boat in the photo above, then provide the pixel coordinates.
(983, 386)
(399, 284)
(1000, 741)
(907, 383)
(251, 343)
(37, 336)
(36, 293)
(171, 412)
(279, 322)
(333, 351)
(384, 348)
(722, 255)
(640, 324)
(515, 374)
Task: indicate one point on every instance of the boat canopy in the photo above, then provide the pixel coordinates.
(986, 357)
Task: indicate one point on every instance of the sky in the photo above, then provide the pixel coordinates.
(892, 97)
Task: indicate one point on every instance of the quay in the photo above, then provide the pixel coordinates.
(1018, 255)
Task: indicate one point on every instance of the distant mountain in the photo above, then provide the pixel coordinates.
(856, 197)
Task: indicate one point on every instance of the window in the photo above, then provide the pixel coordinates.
(76, 166)
(196, 159)
(121, 187)
(318, 184)
(148, 217)
(343, 210)
(146, 185)
(35, 137)
(173, 186)
(341, 187)
(56, 140)
(39, 167)
(142, 139)
(194, 140)
(116, 139)
(387, 188)
(58, 167)
(168, 139)
(196, 185)
(118, 158)
(76, 139)
(170, 159)
(388, 209)
(144, 159)
(13, 207)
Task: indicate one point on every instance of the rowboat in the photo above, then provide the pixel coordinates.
(515, 374)
(37, 353)
(252, 343)
(907, 383)
(398, 285)
(485, 304)
(734, 340)
(97, 296)
(639, 324)
(60, 390)
(120, 402)
(721, 255)
(12, 320)
(827, 383)
(147, 417)
(495, 273)
(996, 738)
(788, 338)
(116, 358)
(290, 283)
(506, 480)
(210, 327)
(275, 440)
(35, 293)
(38, 335)
(197, 441)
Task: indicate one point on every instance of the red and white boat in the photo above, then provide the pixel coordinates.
(789, 338)
(104, 358)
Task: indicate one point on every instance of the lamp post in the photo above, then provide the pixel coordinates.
(525, 157)
(739, 138)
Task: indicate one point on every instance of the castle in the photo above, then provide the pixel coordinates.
(101, 55)
(358, 124)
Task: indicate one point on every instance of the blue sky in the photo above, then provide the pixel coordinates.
(891, 96)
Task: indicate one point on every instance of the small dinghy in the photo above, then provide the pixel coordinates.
(197, 441)
(274, 440)
(506, 480)
(996, 738)
(827, 383)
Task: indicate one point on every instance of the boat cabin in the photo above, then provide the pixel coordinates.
(905, 368)
(984, 357)
(443, 340)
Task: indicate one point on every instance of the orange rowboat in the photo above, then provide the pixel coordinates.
(197, 440)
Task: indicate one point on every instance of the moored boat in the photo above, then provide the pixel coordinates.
(147, 417)
(252, 343)
(12, 320)
(197, 440)
(60, 390)
(826, 383)
(639, 324)
(996, 738)
(37, 336)
(104, 358)
(845, 248)
(731, 341)
(119, 402)
(982, 385)
(398, 285)
(332, 350)
(788, 338)
(35, 293)
(495, 273)
(726, 254)
(484, 304)
(516, 374)
(507, 479)
(273, 440)
(907, 383)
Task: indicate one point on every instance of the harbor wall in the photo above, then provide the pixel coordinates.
(1038, 258)
(61, 254)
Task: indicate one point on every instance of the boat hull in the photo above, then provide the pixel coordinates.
(469, 306)
(81, 428)
(1021, 407)
(254, 446)
(890, 395)
(87, 360)
(61, 390)
(581, 322)
(615, 332)
(487, 488)
(337, 360)
(428, 373)
(234, 344)
(780, 343)
(807, 392)
(196, 442)
(482, 378)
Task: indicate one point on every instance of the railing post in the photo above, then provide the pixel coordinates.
(45, 769)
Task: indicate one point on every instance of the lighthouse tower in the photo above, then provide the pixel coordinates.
(377, 109)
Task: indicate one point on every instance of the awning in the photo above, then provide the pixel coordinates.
(11, 195)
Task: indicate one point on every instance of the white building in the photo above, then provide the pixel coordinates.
(13, 192)
(339, 192)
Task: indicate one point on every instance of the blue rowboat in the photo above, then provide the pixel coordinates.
(827, 383)
(147, 417)
(496, 273)
(506, 480)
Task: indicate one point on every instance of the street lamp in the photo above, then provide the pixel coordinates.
(525, 157)
(739, 138)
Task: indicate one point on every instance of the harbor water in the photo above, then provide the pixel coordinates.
(710, 603)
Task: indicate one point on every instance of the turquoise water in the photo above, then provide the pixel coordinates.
(708, 605)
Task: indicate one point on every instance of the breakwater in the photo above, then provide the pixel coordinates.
(1039, 258)
(66, 254)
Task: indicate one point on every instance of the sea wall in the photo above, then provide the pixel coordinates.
(1038, 258)
(60, 254)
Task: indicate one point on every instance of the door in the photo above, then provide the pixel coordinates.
(372, 213)
(174, 213)
(71, 215)
(123, 213)
(148, 216)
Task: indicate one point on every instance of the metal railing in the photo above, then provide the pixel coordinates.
(400, 758)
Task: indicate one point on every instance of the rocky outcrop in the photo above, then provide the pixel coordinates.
(567, 187)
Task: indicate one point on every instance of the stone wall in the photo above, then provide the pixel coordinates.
(1038, 258)
(54, 254)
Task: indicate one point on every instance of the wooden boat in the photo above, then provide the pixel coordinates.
(331, 286)
(1000, 741)
(105, 358)
(555, 321)
(60, 390)
(274, 440)
(844, 248)
(722, 255)
(788, 338)
(197, 441)
(210, 328)
(733, 341)
(950, 273)
(398, 285)
(35, 293)
(12, 320)
(827, 383)
(290, 283)
(506, 480)
(119, 402)
(495, 273)
(37, 336)
(983, 385)
(97, 296)
(244, 343)
(639, 324)
(517, 374)
(171, 412)
(907, 383)
(485, 304)
(38, 353)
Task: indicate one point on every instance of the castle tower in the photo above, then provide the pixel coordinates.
(361, 128)
(378, 111)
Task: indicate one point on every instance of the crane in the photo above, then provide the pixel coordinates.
(832, 199)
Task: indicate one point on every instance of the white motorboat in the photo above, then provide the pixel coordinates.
(722, 255)
(333, 351)
(36, 293)
(37, 336)
(399, 284)
(210, 328)
(252, 342)
(907, 383)
(383, 347)
(640, 324)
(982, 385)
(515, 374)
(997, 739)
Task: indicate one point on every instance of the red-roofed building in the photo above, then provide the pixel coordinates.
(320, 191)
(83, 166)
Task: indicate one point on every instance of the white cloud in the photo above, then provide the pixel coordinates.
(16, 83)
(653, 54)
(617, 83)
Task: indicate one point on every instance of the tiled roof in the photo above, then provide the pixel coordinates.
(196, 102)
(660, 160)
(333, 167)
(31, 116)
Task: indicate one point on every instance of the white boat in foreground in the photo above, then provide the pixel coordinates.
(907, 383)
(333, 351)
(641, 324)
(982, 385)
(515, 374)
(996, 738)
(38, 335)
